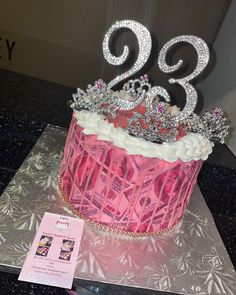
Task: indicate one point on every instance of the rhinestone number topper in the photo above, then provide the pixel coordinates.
(202, 60)
(145, 44)
(156, 120)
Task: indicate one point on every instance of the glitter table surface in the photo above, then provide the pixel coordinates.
(190, 260)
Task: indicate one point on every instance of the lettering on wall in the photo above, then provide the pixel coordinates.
(7, 48)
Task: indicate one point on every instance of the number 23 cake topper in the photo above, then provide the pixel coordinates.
(101, 99)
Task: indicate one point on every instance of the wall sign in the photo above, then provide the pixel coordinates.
(6, 48)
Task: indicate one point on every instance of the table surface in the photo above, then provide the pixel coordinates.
(217, 181)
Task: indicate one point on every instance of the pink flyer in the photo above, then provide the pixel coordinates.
(53, 254)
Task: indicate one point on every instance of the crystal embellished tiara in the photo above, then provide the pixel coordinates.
(156, 122)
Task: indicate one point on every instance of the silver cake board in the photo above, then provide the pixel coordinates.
(190, 260)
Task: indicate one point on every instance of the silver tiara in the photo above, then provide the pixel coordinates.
(157, 123)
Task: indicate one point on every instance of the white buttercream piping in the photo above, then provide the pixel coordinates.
(192, 146)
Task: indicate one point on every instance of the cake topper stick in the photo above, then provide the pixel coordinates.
(144, 43)
(202, 60)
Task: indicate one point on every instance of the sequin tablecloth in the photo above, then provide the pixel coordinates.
(190, 260)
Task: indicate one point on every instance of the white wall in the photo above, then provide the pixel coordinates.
(219, 88)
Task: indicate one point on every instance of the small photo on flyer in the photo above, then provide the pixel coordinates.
(67, 248)
(43, 246)
(65, 255)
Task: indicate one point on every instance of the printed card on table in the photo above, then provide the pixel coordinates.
(52, 257)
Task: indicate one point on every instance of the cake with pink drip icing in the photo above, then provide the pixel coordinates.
(131, 159)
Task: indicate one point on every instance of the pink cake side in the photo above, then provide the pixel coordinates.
(129, 193)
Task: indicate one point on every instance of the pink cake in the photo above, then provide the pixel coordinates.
(132, 193)
(131, 160)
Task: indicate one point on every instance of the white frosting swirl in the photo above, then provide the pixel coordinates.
(192, 146)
